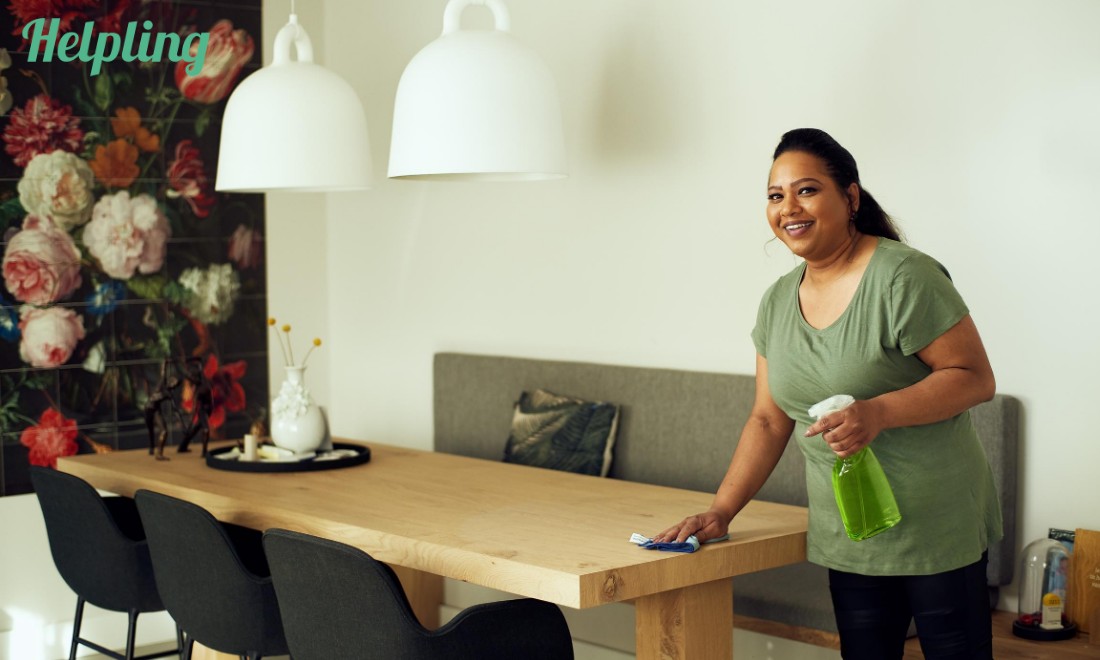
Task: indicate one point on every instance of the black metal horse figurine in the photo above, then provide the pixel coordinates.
(156, 419)
(202, 394)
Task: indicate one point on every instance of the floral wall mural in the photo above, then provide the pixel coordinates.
(117, 252)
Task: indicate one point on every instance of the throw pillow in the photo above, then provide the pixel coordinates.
(562, 433)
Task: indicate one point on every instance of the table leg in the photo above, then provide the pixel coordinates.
(693, 623)
(425, 594)
(200, 652)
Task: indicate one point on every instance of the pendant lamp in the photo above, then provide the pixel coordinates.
(477, 105)
(293, 125)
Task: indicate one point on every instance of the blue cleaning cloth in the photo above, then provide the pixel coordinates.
(690, 545)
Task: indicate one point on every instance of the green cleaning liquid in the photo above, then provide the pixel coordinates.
(863, 495)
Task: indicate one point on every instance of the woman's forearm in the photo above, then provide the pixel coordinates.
(761, 445)
(758, 451)
(941, 395)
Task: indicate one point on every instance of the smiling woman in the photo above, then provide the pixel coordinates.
(804, 204)
(869, 316)
(834, 167)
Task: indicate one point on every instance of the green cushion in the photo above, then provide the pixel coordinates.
(562, 433)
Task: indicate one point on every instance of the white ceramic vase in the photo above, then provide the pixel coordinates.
(297, 423)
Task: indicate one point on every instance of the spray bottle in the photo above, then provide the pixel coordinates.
(863, 495)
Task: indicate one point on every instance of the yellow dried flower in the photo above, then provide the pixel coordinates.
(316, 343)
(284, 344)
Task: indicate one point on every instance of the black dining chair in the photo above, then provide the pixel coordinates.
(339, 603)
(213, 578)
(99, 548)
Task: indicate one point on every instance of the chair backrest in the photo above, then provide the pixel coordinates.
(205, 585)
(106, 566)
(339, 603)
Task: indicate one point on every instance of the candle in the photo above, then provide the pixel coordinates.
(249, 448)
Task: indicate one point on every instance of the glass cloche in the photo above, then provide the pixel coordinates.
(1044, 577)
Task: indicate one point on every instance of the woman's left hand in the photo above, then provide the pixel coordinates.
(849, 430)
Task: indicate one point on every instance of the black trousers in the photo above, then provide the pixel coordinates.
(951, 611)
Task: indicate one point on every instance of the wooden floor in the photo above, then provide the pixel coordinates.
(1007, 646)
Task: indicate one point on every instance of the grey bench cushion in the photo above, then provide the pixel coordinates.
(679, 428)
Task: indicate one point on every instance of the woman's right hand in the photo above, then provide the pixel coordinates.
(704, 526)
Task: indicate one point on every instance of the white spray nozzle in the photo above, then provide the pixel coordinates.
(830, 405)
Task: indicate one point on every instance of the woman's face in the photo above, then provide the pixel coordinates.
(807, 210)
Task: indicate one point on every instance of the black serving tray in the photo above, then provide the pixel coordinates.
(362, 455)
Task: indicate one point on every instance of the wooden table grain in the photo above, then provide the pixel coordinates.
(555, 536)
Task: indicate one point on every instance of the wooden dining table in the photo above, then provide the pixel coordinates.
(555, 536)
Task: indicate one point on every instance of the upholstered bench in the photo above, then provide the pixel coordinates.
(679, 428)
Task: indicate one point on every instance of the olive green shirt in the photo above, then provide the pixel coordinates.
(939, 473)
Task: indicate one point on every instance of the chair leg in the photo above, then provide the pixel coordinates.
(76, 627)
(131, 633)
(179, 641)
(188, 648)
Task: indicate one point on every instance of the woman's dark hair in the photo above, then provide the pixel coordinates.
(841, 166)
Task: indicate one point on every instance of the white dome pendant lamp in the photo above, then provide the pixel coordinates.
(477, 105)
(294, 126)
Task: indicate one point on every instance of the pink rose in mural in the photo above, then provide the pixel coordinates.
(41, 126)
(41, 263)
(53, 437)
(227, 52)
(59, 185)
(246, 247)
(187, 178)
(127, 234)
(49, 335)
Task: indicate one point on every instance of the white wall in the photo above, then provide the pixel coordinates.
(974, 123)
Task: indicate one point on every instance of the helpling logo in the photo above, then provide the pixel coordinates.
(46, 41)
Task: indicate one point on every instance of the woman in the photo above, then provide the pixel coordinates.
(868, 316)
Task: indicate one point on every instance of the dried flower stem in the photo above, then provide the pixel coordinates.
(316, 343)
(279, 340)
(290, 350)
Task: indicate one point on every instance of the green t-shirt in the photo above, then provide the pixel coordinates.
(939, 473)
